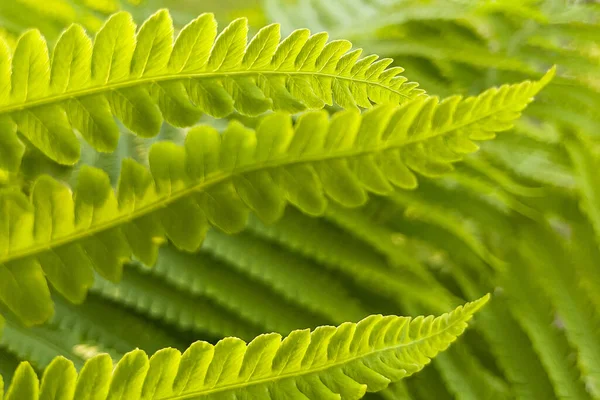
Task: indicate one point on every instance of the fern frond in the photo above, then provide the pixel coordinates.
(428, 384)
(586, 163)
(546, 256)
(291, 276)
(468, 379)
(40, 344)
(342, 363)
(417, 208)
(164, 303)
(214, 179)
(466, 376)
(585, 252)
(144, 77)
(377, 237)
(536, 316)
(110, 327)
(538, 162)
(361, 18)
(513, 351)
(81, 332)
(339, 251)
(252, 298)
(49, 17)
(509, 343)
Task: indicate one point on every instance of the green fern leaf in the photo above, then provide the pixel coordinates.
(561, 284)
(251, 297)
(586, 162)
(536, 317)
(295, 279)
(215, 179)
(144, 77)
(341, 252)
(162, 302)
(80, 332)
(336, 363)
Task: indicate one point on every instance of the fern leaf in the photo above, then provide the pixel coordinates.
(343, 362)
(110, 328)
(468, 379)
(146, 76)
(376, 236)
(510, 345)
(417, 208)
(251, 299)
(164, 303)
(81, 332)
(560, 282)
(291, 276)
(339, 251)
(585, 251)
(215, 179)
(40, 344)
(586, 163)
(536, 316)
(465, 375)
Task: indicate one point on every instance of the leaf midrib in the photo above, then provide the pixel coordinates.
(201, 393)
(103, 88)
(221, 177)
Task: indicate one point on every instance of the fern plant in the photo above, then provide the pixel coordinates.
(539, 176)
(341, 362)
(215, 179)
(129, 74)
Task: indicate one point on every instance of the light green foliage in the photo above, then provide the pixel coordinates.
(544, 174)
(337, 363)
(519, 218)
(144, 76)
(586, 162)
(214, 179)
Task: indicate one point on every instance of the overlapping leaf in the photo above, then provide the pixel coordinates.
(215, 179)
(144, 77)
(328, 363)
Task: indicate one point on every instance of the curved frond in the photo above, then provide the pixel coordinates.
(252, 298)
(40, 344)
(294, 278)
(586, 163)
(340, 251)
(214, 179)
(329, 363)
(144, 76)
(546, 256)
(83, 331)
(508, 342)
(466, 377)
(164, 303)
(536, 316)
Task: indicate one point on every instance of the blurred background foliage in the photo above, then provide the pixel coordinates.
(521, 219)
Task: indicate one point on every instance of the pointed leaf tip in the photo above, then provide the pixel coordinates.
(547, 78)
(479, 304)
